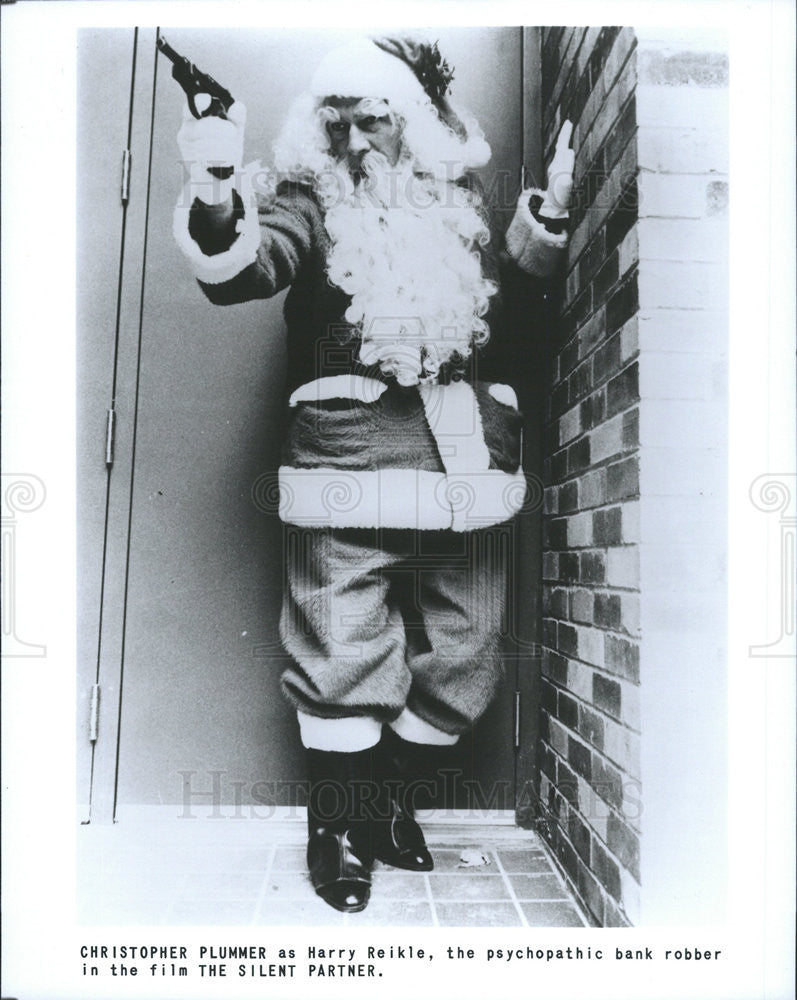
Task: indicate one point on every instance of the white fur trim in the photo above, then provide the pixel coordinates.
(452, 413)
(347, 735)
(220, 267)
(366, 390)
(414, 729)
(503, 393)
(529, 243)
(362, 69)
(399, 498)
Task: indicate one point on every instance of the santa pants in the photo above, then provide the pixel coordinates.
(392, 625)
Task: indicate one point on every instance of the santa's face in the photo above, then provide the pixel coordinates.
(357, 126)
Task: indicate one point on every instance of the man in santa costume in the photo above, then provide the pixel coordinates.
(400, 459)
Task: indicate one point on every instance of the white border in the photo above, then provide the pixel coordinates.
(40, 936)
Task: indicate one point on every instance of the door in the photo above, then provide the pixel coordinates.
(199, 715)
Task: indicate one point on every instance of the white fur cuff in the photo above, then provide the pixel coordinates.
(534, 249)
(414, 729)
(342, 735)
(220, 267)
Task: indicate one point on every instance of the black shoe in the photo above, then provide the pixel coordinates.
(398, 838)
(339, 855)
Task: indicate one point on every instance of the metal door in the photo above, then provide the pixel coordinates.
(193, 564)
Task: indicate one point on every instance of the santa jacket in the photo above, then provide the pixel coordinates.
(360, 450)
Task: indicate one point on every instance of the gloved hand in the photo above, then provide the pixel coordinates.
(556, 202)
(212, 143)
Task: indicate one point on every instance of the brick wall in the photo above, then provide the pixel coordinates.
(601, 391)
(589, 754)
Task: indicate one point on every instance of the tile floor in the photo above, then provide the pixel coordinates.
(226, 873)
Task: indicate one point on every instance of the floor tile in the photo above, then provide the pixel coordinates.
(391, 913)
(551, 915)
(209, 912)
(524, 861)
(230, 885)
(288, 885)
(400, 884)
(468, 887)
(181, 873)
(310, 912)
(477, 915)
(134, 882)
(290, 859)
(537, 887)
(122, 912)
(447, 860)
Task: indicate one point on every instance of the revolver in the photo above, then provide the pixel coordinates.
(194, 81)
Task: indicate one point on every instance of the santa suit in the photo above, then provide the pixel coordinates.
(392, 496)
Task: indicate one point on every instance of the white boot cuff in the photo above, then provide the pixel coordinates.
(414, 729)
(343, 735)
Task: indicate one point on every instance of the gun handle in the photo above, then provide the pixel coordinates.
(216, 108)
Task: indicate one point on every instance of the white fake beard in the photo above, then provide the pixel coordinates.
(404, 248)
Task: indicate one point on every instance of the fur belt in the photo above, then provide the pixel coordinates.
(364, 453)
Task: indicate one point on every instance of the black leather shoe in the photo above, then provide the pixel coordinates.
(398, 838)
(339, 854)
(339, 875)
(399, 841)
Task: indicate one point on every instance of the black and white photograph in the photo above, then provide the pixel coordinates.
(399, 502)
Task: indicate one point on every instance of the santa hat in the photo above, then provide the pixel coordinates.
(365, 68)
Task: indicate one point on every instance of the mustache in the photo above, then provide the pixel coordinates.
(368, 166)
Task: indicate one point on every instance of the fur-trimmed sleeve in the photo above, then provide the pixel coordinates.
(534, 246)
(259, 252)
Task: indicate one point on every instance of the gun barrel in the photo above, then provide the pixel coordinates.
(169, 52)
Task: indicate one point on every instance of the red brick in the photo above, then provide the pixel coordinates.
(590, 891)
(592, 258)
(608, 611)
(593, 409)
(605, 869)
(623, 390)
(569, 567)
(607, 781)
(607, 360)
(591, 726)
(548, 697)
(566, 856)
(593, 332)
(622, 479)
(578, 455)
(607, 526)
(555, 602)
(567, 783)
(579, 835)
(631, 429)
(554, 667)
(592, 489)
(567, 711)
(623, 303)
(622, 657)
(568, 640)
(568, 497)
(606, 695)
(624, 844)
(555, 533)
(581, 609)
(550, 566)
(579, 758)
(593, 567)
